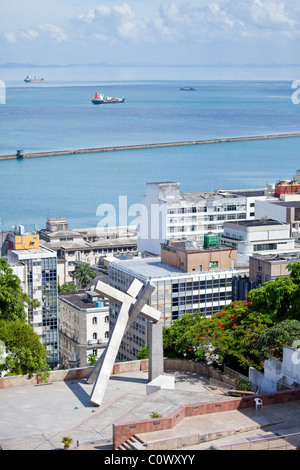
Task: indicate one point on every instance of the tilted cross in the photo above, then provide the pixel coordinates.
(133, 303)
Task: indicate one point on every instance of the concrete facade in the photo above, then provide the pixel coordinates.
(264, 268)
(86, 245)
(278, 375)
(189, 259)
(83, 326)
(168, 214)
(260, 235)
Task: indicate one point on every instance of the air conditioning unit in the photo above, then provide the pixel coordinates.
(90, 341)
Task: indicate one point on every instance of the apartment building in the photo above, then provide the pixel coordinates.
(37, 268)
(168, 214)
(86, 245)
(261, 235)
(83, 325)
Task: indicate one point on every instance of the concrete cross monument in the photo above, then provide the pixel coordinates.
(133, 303)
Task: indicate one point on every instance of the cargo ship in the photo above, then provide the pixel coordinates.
(101, 99)
(188, 88)
(30, 79)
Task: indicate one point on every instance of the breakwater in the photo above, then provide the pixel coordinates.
(20, 153)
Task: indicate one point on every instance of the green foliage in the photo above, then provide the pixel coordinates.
(271, 341)
(228, 337)
(275, 297)
(92, 359)
(66, 440)
(244, 333)
(281, 296)
(154, 414)
(29, 355)
(84, 273)
(243, 385)
(178, 340)
(67, 287)
(143, 353)
(12, 298)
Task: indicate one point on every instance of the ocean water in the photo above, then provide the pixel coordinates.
(59, 115)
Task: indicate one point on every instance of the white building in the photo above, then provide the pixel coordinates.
(83, 324)
(264, 235)
(168, 214)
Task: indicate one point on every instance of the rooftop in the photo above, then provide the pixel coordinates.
(257, 223)
(149, 268)
(83, 300)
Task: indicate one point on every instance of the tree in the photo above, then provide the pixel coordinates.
(272, 339)
(229, 337)
(143, 353)
(175, 341)
(28, 355)
(12, 299)
(67, 287)
(84, 273)
(280, 296)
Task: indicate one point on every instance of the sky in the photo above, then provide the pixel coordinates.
(156, 32)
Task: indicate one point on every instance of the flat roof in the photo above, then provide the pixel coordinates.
(81, 299)
(152, 268)
(256, 223)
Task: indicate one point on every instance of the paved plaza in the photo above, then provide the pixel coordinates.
(35, 417)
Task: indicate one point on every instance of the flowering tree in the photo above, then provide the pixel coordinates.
(228, 337)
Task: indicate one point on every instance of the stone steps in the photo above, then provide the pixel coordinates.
(133, 443)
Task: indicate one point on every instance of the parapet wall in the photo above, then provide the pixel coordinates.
(71, 374)
(123, 431)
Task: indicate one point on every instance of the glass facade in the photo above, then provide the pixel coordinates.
(42, 286)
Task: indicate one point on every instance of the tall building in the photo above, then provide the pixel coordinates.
(168, 214)
(39, 282)
(186, 280)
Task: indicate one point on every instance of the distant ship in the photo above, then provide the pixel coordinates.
(101, 99)
(30, 79)
(188, 88)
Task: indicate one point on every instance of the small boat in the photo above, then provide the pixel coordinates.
(188, 88)
(101, 99)
(30, 79)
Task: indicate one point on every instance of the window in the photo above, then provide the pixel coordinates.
(106, 319)
(95, 335)
(94, 320)
(213, 264)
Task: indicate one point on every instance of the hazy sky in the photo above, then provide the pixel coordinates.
(156, 32)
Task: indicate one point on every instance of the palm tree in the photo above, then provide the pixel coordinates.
(84, 273)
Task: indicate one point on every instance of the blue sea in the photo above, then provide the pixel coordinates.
(58, 115)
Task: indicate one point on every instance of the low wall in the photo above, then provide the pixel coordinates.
(119, 368)
(146, 146)
(71, 374)
(216, 376)
(122, 432)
